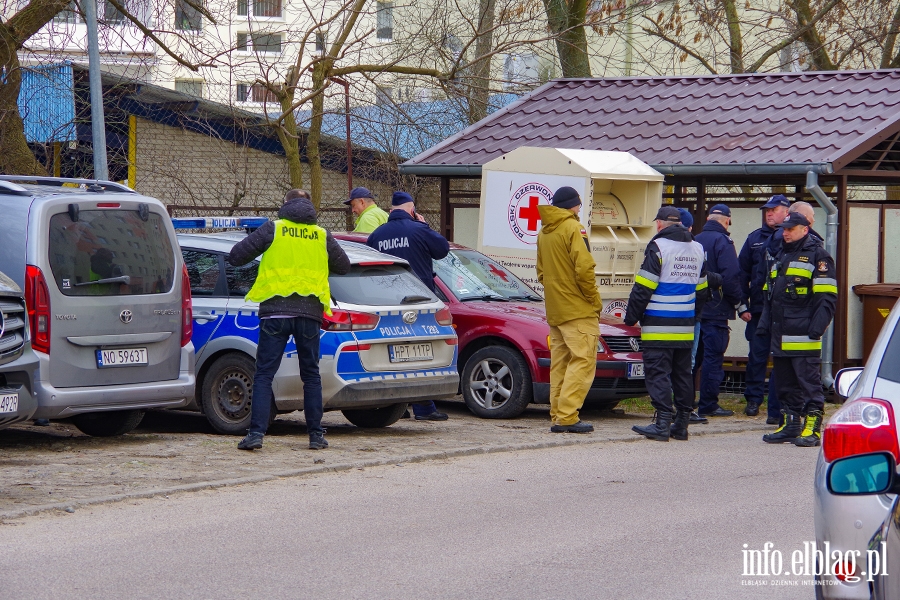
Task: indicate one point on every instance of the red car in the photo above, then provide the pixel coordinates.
(504, 358)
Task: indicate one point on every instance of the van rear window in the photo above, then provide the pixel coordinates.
(111, 253)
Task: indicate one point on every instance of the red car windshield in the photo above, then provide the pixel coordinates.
(471, 275)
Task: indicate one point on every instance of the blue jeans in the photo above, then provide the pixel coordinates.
(274, 335)
(715, 342)
(757, 360)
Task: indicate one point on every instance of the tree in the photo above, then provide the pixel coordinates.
(566, 20)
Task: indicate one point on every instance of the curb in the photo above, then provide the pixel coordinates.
(413, 458)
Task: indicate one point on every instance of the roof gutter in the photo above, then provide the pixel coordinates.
(821, 168)
(831, 227)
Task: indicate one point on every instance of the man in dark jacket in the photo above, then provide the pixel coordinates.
(801, 296)
(721, 258)
(407, 236)
(668, 292)
(292, 289)
(752, 261)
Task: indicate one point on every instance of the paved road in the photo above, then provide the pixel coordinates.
(609, 520)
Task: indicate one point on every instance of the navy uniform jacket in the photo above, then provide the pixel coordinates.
(721, 258)
(752, 261)
(413, 241)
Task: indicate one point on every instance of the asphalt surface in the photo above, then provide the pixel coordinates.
(59, 467)
(595, 520)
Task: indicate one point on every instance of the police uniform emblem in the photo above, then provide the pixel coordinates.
(823, 266)
(804, 258)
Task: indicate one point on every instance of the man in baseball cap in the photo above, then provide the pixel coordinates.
(368, 215)
(752, 260)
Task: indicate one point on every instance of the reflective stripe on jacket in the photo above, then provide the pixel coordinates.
(801, 298)
(295, 263)
(669, 290)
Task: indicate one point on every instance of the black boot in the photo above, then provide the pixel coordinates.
(658, 429)
(679, 429)
(789, 430)
(812, 430)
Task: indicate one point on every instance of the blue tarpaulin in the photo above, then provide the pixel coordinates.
(47, 103)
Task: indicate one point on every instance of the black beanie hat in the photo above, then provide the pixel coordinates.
(565, 197)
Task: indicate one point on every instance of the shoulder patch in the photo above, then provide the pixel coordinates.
(823, 266)
(803, 258)
(583, 232)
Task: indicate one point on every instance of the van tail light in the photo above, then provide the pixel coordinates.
(37, 300)
(187, 315)
(349, 320)
(860, 427)
(444, 317)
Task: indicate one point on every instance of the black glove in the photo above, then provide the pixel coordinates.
(631, 323)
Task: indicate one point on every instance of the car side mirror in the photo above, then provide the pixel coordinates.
(863, 475)
(845, 381)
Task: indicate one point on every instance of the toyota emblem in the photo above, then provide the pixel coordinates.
(126, 316)
(634, 344)
(410, 316)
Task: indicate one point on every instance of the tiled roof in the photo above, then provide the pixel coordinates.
(813, 117)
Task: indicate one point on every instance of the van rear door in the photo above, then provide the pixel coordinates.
(114, 276)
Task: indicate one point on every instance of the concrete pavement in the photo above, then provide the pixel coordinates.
(595, 520)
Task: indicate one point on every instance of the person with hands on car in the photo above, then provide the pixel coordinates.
(565, 268)
(801, 296)
(293, 291)
(407, 236)
(669, 291)
(752, 260)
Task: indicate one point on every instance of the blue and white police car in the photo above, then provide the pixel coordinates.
(390, 340)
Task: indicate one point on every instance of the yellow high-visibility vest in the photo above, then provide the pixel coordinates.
(295, 263)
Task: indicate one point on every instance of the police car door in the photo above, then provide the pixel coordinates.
(209, 294)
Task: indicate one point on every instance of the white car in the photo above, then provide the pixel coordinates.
(867, 422)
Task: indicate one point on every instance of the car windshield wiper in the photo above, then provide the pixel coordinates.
(525, 297)
(486, 297)
(415, 299)
(120, 279)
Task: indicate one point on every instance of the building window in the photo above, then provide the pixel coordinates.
(259, 42)
(192, 87)
(242, 8)
(383, 95)
(255, 92)
(69, 15)
(267, 8)
(111, 14)
(321, 41)
(187, 15)
(521, 70)
(385, 20)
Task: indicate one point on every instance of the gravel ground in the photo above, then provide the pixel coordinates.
(58, 466)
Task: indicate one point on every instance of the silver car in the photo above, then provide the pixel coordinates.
(389, 341)
(108, 299)
(867, 422)
(18, 362)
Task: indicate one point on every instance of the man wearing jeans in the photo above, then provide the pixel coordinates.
(292, 289)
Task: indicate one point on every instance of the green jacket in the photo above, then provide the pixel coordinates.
(370, 219)
(565, 267)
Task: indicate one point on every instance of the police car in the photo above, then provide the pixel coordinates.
(389, 341)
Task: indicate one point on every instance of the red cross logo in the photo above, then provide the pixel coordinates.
(498, 273)
(530, 213)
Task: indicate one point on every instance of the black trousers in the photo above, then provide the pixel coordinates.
(667, 370)
(799, 382)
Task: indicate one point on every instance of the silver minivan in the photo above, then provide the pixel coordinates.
(108, 299)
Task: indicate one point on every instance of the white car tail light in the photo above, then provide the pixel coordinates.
(443, 317)
(860, 427)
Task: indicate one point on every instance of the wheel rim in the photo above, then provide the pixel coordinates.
(233, 395)
(491, 383)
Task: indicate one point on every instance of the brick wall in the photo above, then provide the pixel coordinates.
(184, 167)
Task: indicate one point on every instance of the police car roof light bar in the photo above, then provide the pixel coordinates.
(219, 222)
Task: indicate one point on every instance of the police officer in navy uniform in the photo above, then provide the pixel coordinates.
(668, 292)
(752, 261)
(801, 296)
(721, 258)
(407, 236)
